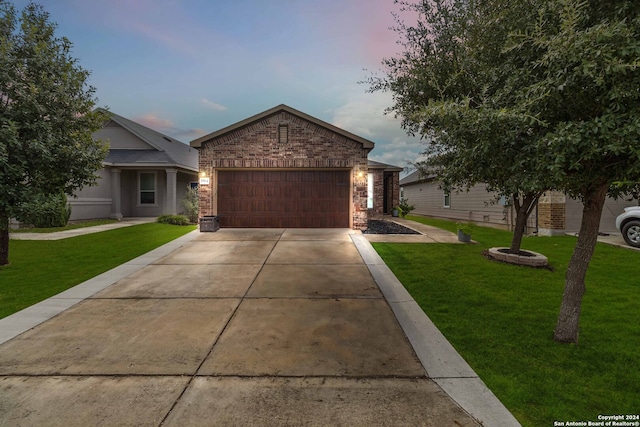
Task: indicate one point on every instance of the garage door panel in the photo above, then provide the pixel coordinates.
(300, 199)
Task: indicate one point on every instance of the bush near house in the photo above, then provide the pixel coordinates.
(190, 205)
(404, 207)
(174, 219)
(46, 211)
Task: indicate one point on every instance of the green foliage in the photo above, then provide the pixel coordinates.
(454, 84)
(45, 211)
(40, 269)
(500, 317)
(465, 227)
(526, 96)
(191, 205)
(404, 208)
(586, 92)
(47, 114)
(173, 219)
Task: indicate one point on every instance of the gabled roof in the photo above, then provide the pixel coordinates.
(416, 177)
(168, 151)
(387, 168)
(197, 143)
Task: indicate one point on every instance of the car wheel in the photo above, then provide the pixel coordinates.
(631, 233)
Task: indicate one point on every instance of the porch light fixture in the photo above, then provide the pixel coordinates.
(204, 180)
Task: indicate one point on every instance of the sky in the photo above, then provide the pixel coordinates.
(187, 68)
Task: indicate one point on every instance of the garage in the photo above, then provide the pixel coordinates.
(279, 199)
(284, 168)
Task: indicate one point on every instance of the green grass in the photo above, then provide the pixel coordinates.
(500, 317)
(40, 269)
(69, 226)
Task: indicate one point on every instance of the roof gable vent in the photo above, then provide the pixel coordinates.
(283, 133)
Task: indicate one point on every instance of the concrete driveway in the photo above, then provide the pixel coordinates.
(242, 327)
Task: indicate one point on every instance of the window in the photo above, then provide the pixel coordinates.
(370, 191)
(447, 199)
(147, 183)
(283, 134)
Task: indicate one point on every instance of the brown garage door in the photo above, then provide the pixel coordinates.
(299, 199)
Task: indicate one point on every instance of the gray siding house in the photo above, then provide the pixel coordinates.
(556, 213)
(145, 174)
(476, 205)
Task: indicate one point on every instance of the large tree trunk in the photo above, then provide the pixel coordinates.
(4, 239)
(567, 327)
(523, 210)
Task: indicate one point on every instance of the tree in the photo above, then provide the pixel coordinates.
(558, 109)
(588, 94)
(47, 116)
(453, 86)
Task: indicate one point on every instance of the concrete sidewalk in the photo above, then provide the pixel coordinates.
(58, 235)
(239, 327)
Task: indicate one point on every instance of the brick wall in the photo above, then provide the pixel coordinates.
(378, 191)
(308, 146)
(551, 213)
(392, 189)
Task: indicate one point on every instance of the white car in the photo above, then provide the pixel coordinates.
(628, 223)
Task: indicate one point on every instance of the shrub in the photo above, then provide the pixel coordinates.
(46, 211)
(404, 207)
(174, 219)
(190, 204)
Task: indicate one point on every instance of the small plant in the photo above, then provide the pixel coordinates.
(190, 204)
(173, 219)
(404, 208)
(465, 227)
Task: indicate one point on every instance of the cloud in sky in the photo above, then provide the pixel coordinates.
(167, 127)
(364, 115)
(212, 105)
(154, 122)
(201, 64)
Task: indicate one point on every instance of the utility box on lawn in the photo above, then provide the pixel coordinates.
(209, 223)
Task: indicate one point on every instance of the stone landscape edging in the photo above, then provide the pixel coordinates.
(536, 260)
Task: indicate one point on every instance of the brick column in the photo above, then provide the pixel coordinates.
(551, 214)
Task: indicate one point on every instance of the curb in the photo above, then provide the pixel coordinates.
(441, 361)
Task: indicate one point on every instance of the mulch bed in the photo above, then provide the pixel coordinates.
(387, 227)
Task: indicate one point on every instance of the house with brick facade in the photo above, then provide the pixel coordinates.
(285, 168)
(145, 174)
(555, 214)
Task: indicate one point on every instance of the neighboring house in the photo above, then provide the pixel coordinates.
(558, 214)
(145, 174)
(555, 214)
(476, 205)
(284, 168)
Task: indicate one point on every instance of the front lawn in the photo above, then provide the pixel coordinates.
(500, 318)
(40, 269)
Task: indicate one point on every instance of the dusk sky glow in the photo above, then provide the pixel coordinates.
(190, 67)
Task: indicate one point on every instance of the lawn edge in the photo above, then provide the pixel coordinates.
(27, 318)
(441, 361)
